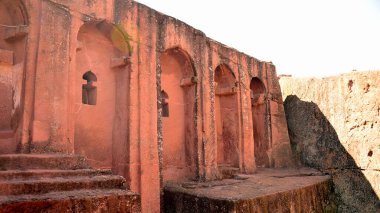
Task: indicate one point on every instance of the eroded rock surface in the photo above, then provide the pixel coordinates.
(334, 125)
(269, 190)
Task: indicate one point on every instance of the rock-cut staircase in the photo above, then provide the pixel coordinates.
(61, 183)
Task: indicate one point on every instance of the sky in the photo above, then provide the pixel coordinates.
(301, 37)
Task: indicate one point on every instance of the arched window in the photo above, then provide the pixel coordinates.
(165, 104)
(89, 89)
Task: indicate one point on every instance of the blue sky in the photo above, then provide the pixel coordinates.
(301, 37)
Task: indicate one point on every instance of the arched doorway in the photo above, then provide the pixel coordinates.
(178, 99)
(13, 31)
(100, 93)
(226, 117)
(260, 133)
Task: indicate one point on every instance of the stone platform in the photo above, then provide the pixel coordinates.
(269, 190)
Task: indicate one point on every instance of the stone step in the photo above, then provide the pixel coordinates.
(46, 185)
(42, 161)
(228, 172)
(41, 174)
(61, 183)
(104, 200)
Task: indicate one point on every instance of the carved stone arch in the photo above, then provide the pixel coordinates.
(259, 117)
(102, 58)
(15, 9)
(115, 34)
(226, 70)
(226, 117)
(178, 80)
(224, 78)
(184, 57)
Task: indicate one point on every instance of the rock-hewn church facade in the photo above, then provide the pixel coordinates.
(136, 91)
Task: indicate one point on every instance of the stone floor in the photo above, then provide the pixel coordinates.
(269, 190)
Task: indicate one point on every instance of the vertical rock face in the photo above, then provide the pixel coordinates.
(334, 125)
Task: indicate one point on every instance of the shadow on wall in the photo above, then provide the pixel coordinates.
(316, 144)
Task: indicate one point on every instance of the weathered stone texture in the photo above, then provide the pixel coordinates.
(334, 125)
(269, 190)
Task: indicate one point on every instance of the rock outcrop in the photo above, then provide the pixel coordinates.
(334, 125)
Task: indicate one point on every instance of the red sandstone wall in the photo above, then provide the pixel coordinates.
(130, 122)
(13, 25)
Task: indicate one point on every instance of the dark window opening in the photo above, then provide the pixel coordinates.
(165, 104)
(89, 90)
(257, 90)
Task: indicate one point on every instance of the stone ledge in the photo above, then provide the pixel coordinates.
(12, 33)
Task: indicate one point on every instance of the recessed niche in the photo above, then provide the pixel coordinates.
(89, 90)
(226, 116)
(178, 79)
(259, 119)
